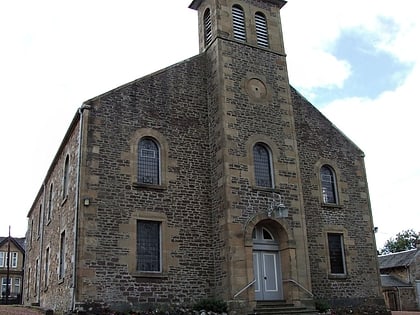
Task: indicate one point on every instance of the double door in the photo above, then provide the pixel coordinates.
(267, 270)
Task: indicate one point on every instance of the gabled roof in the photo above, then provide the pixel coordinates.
(390, 281)
(19, 242)
(400, 259)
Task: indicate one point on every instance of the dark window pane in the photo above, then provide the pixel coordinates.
(149, 162)
(328, 185)
(335, 248)
(148, 246)
(262, 166)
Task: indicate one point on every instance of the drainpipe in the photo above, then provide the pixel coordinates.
(77, 207)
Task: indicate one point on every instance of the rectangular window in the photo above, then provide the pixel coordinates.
(4, 286)
(47, 266)
(36, 277)
(50, 200)
(336, 253)
(2, 259)
(14, 259)
(149, 246)
(39, 220)
(16, 286)
(62, 254)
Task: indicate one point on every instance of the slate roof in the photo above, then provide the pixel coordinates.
(401, 259)
(20, 241)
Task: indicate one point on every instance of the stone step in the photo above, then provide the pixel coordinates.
(281, 308)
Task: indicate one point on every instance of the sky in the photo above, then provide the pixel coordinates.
(357, 61)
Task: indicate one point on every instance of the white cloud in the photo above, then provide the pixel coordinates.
(386, 127)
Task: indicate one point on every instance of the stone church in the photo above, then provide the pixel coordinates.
(210, 179)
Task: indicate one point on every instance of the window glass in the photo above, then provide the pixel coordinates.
(148, 162)
(16, 286)
(148, 246)
(329, 190)
(50, 197)
(336, 253)
(14, 259)
(4, 286)
(267, 235)
(2, 259)
(47, 266)
(61, 257)
(262, 166)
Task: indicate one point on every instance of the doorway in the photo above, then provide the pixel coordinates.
(267, 265)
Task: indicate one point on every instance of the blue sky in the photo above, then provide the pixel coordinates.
(372, 71)
(357, 61)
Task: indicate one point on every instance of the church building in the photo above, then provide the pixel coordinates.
(210, 179)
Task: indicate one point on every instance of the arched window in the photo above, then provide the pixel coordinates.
(207, 27)
(66, 175)
(262, 166)
(238, 21)
(329, 185)
(261, 29)
(148, 162)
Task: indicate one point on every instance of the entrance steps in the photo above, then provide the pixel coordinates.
(281, 308)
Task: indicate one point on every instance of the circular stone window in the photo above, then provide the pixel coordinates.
(256, 89)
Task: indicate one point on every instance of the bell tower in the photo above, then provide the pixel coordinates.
(251, 117)
(255, 23)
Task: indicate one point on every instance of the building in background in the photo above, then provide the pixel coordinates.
(11, 271)
(212, 178)
(400, 278)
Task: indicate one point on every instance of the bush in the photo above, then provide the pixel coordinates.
(322, 306)
(211, 305)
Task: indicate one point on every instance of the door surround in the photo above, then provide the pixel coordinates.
(282, 232)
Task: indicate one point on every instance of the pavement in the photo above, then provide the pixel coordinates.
(19, 310)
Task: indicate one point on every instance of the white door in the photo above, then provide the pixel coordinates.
(267, 270)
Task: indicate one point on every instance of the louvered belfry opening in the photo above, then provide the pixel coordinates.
(207, 27)
(261, 29)
(238, 20)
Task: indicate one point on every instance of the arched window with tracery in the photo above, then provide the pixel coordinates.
(261, 29)
(207, 27)
(148, 162)
(329, 185)
(238, 21)
(263, 166)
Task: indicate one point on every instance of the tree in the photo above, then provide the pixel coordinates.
(404, 240)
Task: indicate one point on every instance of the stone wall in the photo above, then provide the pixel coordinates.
(171, 107)
(319, 142)
(52, 215)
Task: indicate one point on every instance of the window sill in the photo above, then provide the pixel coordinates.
(149, 186)
(152, 275)
(337, 276)
(266, 189)
(331, 205)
